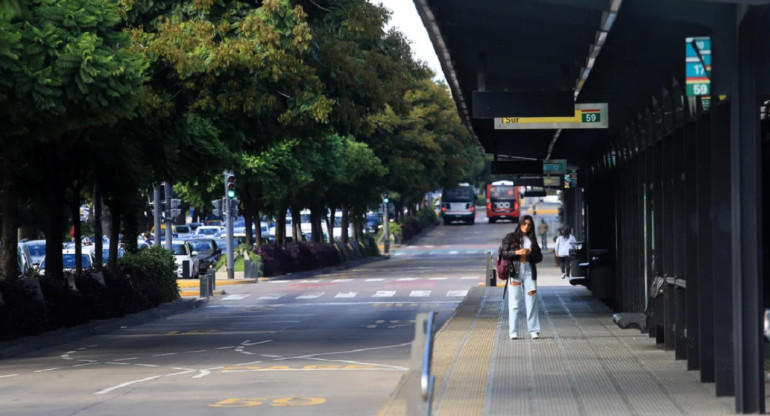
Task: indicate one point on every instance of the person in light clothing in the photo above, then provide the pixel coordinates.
(542, 231)
(564, 243)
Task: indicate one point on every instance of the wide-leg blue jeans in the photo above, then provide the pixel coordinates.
(523, 286)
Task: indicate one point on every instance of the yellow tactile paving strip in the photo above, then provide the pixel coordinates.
(461, 358)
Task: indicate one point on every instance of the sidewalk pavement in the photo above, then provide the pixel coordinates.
(583, 364)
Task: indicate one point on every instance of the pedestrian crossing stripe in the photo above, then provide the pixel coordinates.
(384, 294)
(310, 295)
(346, 294)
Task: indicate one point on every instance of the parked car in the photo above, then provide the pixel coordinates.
(207, 251)
(208, 230)
(184, 231)
(68, 261)
(184, 252)
(30, 254)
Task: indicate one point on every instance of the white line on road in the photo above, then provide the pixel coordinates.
(456, 293)
(47, 369)
(453, 252)
(9, 375)
(164, 355)
(109, 389)
(236, 297)
(469, 277)
(341, 280)
(271, 296)
(373, 280)
(384, 294)
(419, 293)
(278, 281)
(346, 294)
(438, 278)
(405, 279)
(310, 295)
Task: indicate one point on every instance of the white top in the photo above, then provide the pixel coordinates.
(527, 243)
(563, 245)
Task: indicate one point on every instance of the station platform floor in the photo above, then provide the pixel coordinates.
(582, 364)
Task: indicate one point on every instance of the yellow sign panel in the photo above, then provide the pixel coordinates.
(586, 116)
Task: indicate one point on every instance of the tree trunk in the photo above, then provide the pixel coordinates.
(53, 232)
(344, 225)
(296, 225)
(75, 214)
(10, 212)
(316, 232)
(97, 220)
(330, 223)
(112, 262)
(280, 226)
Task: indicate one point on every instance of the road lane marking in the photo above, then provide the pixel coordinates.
(469, 278)
(9, 375)
(438, 278)
(47, 369)
(309, 281)
(453, 252)
(405, 279)
(236, 297)
(419, 293)
(456, 293)
(271, 296)
(310, 295)
(346, 294)
(109, 389)
(164, 355)
(384, 294)
(374, 280)
(341, 280)
(278, 281)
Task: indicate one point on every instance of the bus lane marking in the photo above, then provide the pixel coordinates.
(259, 401)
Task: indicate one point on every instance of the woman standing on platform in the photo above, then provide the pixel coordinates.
(520, 247)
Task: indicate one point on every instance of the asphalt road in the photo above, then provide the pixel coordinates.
(328, 345)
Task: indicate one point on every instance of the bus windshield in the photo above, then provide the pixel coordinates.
(462, 194)
(502, 192)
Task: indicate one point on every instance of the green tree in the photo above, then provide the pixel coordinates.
(64, 74)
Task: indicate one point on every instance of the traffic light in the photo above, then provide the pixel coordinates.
(385, 198)
(217, 203)
(230, 185)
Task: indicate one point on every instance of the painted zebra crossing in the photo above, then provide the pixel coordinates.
(351, 295)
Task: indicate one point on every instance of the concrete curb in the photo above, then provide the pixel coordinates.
(24, 345)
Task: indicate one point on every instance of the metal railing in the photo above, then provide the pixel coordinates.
(420, 402)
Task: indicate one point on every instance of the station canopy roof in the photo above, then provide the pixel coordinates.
(626, 52)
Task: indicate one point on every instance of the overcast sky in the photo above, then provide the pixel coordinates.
(406, 20)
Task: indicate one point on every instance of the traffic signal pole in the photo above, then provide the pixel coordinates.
(386, 223)
(156, 214)
(228, 203)
(169, 221)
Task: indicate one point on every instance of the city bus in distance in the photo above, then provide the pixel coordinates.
(502, 201)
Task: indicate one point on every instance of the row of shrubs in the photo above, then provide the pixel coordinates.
(298, 257)
(144, 280)
(147, 278)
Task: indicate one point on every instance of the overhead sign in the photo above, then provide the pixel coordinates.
(555, 167)
(571, 180)
(586, 116)
(528, 181)
(552, 181)
(698, 65)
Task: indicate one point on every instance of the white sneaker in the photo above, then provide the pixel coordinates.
(514, 335)
(534, 335)
(563, 275)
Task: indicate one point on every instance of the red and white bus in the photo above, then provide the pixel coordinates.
(502, 201)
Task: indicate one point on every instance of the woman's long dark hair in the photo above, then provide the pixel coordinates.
(518, 236)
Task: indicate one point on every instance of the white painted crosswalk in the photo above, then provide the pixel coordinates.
(354, 294)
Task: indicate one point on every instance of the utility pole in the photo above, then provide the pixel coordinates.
(156, 214)
(169, 222)
(228, 203)
(385, 201)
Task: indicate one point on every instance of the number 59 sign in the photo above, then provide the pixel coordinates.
(698, 65)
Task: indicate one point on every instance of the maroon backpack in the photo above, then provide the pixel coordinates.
(503, 265)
